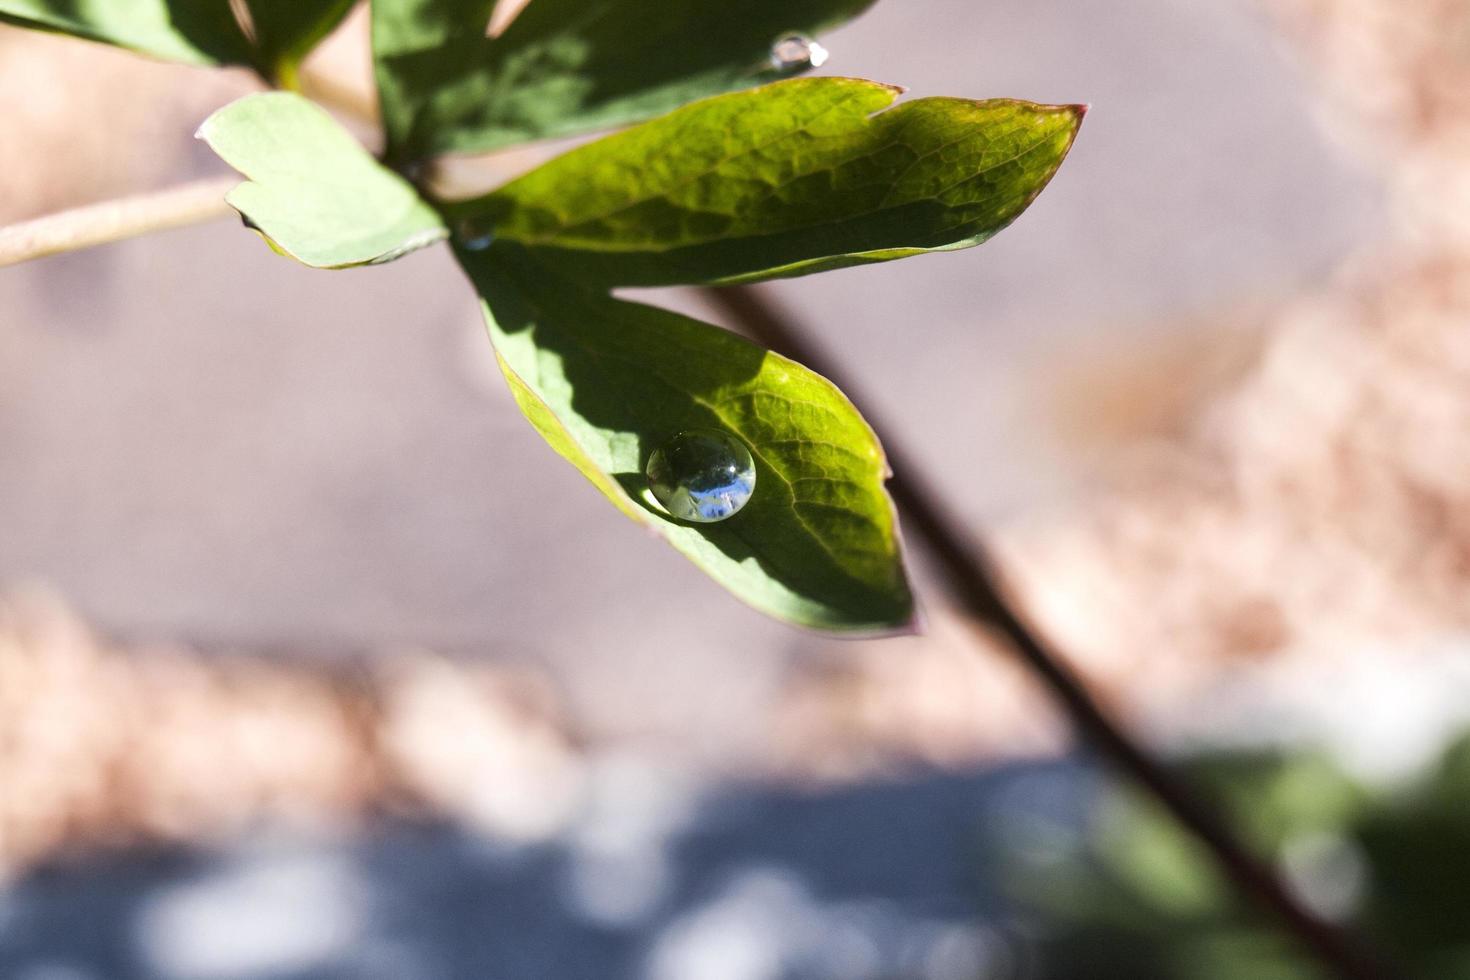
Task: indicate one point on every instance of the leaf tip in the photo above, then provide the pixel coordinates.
(914, 623)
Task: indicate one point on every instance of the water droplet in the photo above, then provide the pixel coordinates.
(473, 235)
(702, 475)
(795, 52)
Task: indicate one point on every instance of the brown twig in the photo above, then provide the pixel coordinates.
(969, 571)
(972, 575)
(111, 221)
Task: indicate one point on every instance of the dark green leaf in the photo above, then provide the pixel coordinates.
(286, 30)
(795, 177)
(314, 192)
(200, 32)
(606, 382)
(567, 66)
(419, 46)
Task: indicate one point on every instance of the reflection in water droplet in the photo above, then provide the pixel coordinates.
(702, 475)
(473, 236)
(795, 52)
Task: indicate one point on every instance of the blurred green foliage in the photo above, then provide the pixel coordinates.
(1134, 896)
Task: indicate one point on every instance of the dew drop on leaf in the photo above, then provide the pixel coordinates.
(795, 52)
(702, 475)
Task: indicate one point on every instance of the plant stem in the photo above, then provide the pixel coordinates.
(287, 76)
(972, 575)
(111, 221)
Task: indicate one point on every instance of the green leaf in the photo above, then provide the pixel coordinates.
(606, 382)
(419, 47)
(792, 178)
(200, 32)
(286, 30)
(568, 66)
(314, 192)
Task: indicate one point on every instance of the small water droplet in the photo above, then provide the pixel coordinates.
(795, 52)
(473, 235)
(702, 475)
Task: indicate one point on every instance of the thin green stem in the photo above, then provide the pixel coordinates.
(288, 74)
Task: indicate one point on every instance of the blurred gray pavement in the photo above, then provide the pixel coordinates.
(200, 439)
(746, 883)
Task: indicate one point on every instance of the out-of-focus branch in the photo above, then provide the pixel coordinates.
(111, 221)
(974, 579)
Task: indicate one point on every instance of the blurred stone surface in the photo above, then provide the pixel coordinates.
(103, 748)
(87, 122)
(862, 883)
(1211, 391)
(1318, 513)
(201, 440)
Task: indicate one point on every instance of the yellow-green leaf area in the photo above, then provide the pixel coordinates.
(791, 178)
(606, 382)
(313, 191)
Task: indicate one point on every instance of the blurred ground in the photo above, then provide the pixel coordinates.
(205, 442)
(1319, 509)
(1208, 396)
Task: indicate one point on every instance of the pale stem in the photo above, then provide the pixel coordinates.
(111, 221)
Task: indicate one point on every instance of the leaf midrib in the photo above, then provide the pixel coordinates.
(685, 182)
(837, 562)
(548, 239)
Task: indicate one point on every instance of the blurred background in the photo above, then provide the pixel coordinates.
(315, 662)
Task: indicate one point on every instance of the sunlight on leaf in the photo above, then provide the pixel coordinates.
(313, 191)
(606, 382)
(792, 178)
(198, 32)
